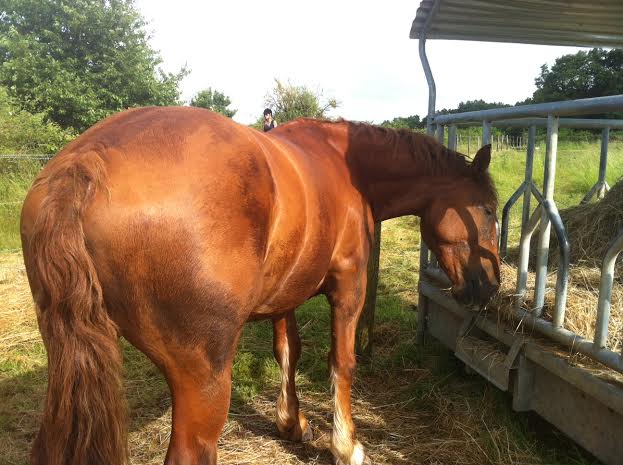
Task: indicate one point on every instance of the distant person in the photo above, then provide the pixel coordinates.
(269, 122)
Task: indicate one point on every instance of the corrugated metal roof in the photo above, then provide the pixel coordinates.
(585, 23)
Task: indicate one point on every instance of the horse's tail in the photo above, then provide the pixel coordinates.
(84, 415)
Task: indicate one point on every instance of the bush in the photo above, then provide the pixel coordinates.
(23, 132)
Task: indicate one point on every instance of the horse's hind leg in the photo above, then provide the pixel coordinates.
(291, 423)
(201, 391)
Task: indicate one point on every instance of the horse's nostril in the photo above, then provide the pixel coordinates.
(491, 290)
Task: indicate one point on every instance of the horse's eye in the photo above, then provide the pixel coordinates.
(488, 211)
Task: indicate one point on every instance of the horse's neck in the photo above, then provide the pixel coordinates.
(400, 173)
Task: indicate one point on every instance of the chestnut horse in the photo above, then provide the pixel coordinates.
(172, 227)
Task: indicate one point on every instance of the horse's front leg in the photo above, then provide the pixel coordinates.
(347, 295)
(291, 423)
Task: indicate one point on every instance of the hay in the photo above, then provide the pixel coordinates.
(592, 227)
(18, 326)
(580, 315)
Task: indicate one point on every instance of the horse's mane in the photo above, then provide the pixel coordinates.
(434, 158)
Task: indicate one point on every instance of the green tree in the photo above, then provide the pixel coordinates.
(474, 105)
(213, 100)
(22, 132)
(290, 101)
(593, 73)
(410, 122)
(78, 61)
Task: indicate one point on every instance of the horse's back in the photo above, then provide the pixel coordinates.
(184, 206)
(196, 208)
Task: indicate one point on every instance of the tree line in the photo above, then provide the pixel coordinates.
(66, 64)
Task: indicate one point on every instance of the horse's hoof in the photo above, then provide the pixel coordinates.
(366, 461)
(300, 432)
(296, 435)
(358, 457)
(308, 434)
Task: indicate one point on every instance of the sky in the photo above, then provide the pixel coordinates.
(356, 51)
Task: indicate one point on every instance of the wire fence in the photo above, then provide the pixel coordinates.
(25, 156)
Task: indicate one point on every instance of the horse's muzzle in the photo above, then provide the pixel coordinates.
(476, 290)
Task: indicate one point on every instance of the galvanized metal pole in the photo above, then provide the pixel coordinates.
(452, 137)
(562, 278)
(603, 163)
(586, 106)
(432, 90)
(486, 132)
(605, 292)
(432, 96)
(524, 250)
(503, 233)
(601, 186)
(524, 256)
(441, 136)
(525, 213)
(549, 177)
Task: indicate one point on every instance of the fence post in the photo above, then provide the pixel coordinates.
(365, 327)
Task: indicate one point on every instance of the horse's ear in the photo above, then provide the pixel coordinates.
(482, 159)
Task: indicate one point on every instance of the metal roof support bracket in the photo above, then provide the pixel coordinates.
(432, 91)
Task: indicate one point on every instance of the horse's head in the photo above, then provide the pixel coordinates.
(460, 227)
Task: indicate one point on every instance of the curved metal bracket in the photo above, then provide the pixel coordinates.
(605, 292)
(537, 194)
(600, 188)
(432, 90)
(525, 186)
(506, 216)
(562, 275)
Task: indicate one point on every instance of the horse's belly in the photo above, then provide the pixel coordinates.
(286, 289)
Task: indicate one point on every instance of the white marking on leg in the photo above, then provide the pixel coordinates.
(359, 454)
(283, 415)
(342, 445)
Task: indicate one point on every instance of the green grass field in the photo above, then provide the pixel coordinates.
(412, 405)
(16, 176)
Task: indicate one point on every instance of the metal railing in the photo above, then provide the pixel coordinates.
(547, 216)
